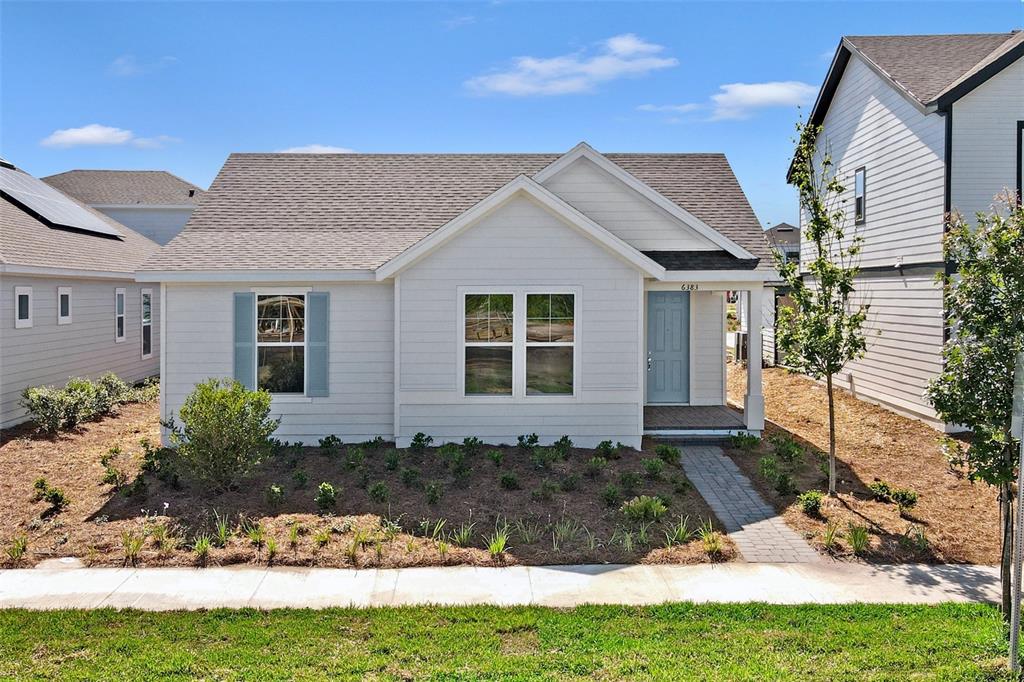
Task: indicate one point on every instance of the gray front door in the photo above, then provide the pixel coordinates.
(668, 346)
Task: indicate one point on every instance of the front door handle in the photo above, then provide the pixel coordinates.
(650, 362)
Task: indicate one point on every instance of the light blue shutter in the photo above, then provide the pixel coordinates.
(318, 325)
(245, 339)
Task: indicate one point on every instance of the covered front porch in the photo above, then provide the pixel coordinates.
(685, 369)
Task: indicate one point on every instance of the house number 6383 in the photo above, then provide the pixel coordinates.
(688, 287)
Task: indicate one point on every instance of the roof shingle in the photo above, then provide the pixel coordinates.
(126, 187)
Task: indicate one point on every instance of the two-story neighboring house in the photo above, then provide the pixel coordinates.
(918, 127)
(154, 203)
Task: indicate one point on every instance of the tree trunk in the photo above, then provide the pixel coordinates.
(831, 439)
(1006, 555)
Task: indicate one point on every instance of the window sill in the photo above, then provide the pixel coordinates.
(285, 398)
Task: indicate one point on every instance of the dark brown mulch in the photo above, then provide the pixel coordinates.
(98, 517)
(958, 518)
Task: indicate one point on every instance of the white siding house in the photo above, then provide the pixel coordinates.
(918, 127)
(69, 303)
(466, 295)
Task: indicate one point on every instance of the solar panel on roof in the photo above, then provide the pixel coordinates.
(53, 206)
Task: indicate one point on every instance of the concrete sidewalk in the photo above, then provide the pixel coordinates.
(825, 582)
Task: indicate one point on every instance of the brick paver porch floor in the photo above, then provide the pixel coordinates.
(679, 417)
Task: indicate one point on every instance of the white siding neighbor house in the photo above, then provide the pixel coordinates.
(69, 302)
(919, 127)
(487, 295)
(156, 204)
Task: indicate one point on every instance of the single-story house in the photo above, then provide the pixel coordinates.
(154, 203)
(69, 302)
(487, 295)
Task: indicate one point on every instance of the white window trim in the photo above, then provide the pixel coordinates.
(863, 172)
(18, 293)
(119, 293)
(143, 324)
(257, 344)
(62, 291)
(519, 343)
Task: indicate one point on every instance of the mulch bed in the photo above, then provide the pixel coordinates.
(93, 526)
(959, 519)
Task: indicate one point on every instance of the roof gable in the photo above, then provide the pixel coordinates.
(520, 186)
(126, 187)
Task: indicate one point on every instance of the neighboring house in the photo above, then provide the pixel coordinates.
(69, 303)
(785, 239)
(918, 127)
(156, 204)
(487, 295)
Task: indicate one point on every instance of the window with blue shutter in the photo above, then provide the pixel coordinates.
(245, 339)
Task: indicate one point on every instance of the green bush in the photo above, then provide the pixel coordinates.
(668, 454)
(654, 468)
(543, 458)
(810, 502)
(630, 482)
(744, 441)
(570, 483)
(410, 477)
(420, 443)
(57, 409)
(611, 495)
(881, 490)
(274, 495)
(225, 432)
(904, 499)
(595, 466)
(472, 446)
(784, 485)
(55, 497)
(768, 467)
(379, 492)
(607, 450)
(545, 491)
(786, 449)
(496, 456)
(435, 491)
(644, 508)
(563, 447)
(325, 498)
(528, 442)
(509, 481)
(392, 459)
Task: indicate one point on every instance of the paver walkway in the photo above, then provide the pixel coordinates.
(759, 533)
(826, 582)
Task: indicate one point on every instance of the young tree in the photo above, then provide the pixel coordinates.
(984, 302)
(822, 330)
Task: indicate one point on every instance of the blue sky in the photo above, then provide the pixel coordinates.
(179, 86)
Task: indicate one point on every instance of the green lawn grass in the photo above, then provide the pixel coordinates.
(677, 641)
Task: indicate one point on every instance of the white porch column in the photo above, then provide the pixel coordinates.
(753, 404)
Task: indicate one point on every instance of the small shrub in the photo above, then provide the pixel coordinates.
(915, 537)
(255, 531)
(225, 432)
(611, 495)
(858, 537)
(529, 532)
(569, 483)
(374, 444)
(654, 468)
(294, 531)
(904, 499)
(563, 532)
(17, 549)
(630, 482)
(680, 484)
(543, 458)
(201, 548)
(711, 539)
(595, 466)
(810, 502)
(325, 498)
(434, 491)
(331, 444)
(562, 447)
(768, 468)
(355, 456)
(420, 443)
(784, 485)
(545, 491)
(363, 478)
(496, 456)
(528, 442)
(322, 537)
(744, 441)
(472, 446)
(300, 479)
(509, 481)
(410, 477)
(449, 451)
(55, 497)
(786, 449)
(881, 490)
(830, 536)
(131, 544)
(222, 531)
(669, 454)
(606, 450)
(644, 508)
(497, 542)
(379, 492)
(679, 533)
(52, 409)
(392, 459)
(271, 549)
(274, 495)
(463, 535)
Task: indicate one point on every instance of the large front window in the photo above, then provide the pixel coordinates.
(489, 333)
(550, 330)
(281, 343)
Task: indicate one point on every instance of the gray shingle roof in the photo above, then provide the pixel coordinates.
(357, 211)
(783, 234)
(125, 187)
(700, 260)
(927, 66)
(27, 241)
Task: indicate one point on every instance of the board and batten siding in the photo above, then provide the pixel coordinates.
(360, 404)
(870, 124)
(622, 211)
(707, 324)
(984, 149)
(521, 244)
(48, 354)
(158, 224)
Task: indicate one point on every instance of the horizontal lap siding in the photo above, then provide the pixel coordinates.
(708, 319)
(985, 141)
(622, 211)
(520, 244)
(360, 405)
(50, 354)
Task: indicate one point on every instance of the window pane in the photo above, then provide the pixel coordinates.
(488, 370)
(538, 329)
(489, 318)
(23, 306)
(120, 327)
(858, 184)
(65, 305)
(120, 304)
(549, 317)
(549, 370)
(281, 318)
(147, 339)
(562, 330)
(147, 308)
(280, 369)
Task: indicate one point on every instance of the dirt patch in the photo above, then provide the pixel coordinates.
(383, 515)
(958, 519)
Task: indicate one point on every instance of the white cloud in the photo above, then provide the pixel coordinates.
(740, 100)
(94, 134)
(128, 65)
(670, 108)
(458, 22)
(621, 56)
(316, 149)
